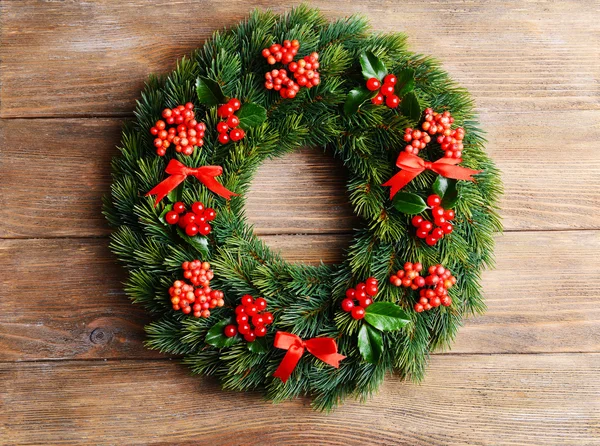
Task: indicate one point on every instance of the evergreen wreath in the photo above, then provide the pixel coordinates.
(250, 318)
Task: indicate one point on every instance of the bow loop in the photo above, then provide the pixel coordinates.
(178, 172)
(412, 166)
(323, 348)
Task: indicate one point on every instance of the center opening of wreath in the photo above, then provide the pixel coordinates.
(299, 206)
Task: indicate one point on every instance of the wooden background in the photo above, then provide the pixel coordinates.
(72, 365)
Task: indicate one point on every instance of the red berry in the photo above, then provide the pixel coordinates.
(417, 220)
(235, 104)
(378, 99)
(198, 208)
(233, 121)
(237, 134)
(434, 200)
(230, 331)
(251, 310)
(418, 308)
(204, 229)
(247, 300)
(260, 331)
(209, 214)
(250, 336)
(172, 217)
(223, 138)
(392, 101)
(258, 320)
(244, 329)
(191, 230)
(447, 228)
(261, 303)
(347, 305)
(179, 207)
(242, 318)
(437, 212)
(268, 318)
(358, 312)
(372, 290)
(449, 214)
(437, 233)
(431, 240)
(373, 84)
(390, 79)
(222, 127)
(387, 90)
(225, 111)
(366, 302)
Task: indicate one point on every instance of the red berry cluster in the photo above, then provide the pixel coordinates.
(278, 80)
(441, 218)
(194, 222)
(231, 122)
(440, 280)
(251, 319)
(201, 299)
(363, 293)
(386, 91)
(417, 140)
(441, 124)
(281, 53)
(409, 276)
(304, 71)
(187, 134)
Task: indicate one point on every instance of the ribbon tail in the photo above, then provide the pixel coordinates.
(289, 362)
(455, 172)
(400, 180)
(333, 359)
(213, 185)
(162, 189)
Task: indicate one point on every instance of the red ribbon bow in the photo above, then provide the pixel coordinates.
(179, 172)
(323, 348)
(412, 166)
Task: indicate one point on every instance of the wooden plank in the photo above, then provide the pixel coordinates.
(500, 399)
(543, 297)
(52, 183)
(91, 58)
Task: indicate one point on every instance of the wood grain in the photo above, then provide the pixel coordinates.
(476, 400)
(512, 55)
(59, 192)
(543, 297)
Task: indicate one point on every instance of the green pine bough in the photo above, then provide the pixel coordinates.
(338, 116)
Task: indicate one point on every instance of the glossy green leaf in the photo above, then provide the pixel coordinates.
(209, 92)
(175, 195)
(198, 242)
(259, 346)
(451, 195)
(409, 107)
(356, 98)
(409, 203)
(217, 338)
(251, 115)
(372, 66)
(386, 316)
(440, 185)
(406, 82)
(370, 344)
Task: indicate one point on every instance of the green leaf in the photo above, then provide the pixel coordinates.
(440, 185)
(372, 66)
(259, 346)
(251, 115)
(406, 82)
(161, 217)
(217, 338)
(370, 344)
(409, 107)
(209, 92)
(386, 316)
(356, 98)
(197, 242)
(451, 195)
(175, 195)
(409, 203)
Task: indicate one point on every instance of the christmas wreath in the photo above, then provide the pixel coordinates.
(420, 181)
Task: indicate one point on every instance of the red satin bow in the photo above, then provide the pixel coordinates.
(323, 348)
(179, 172)
(412, 166)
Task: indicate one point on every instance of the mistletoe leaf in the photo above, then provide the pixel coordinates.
(410, 107)
(409, 203)
(209, 92)
(370, 344)
(372, 66)
(450, 196)
(259, 346)
(406, 82)
(386, 316)
(217, 338)
(356, 98)
(251, 115)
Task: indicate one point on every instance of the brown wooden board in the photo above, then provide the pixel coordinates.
(467, 399)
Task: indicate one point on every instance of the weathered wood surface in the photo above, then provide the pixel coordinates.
(527, 372)
(467, 399)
